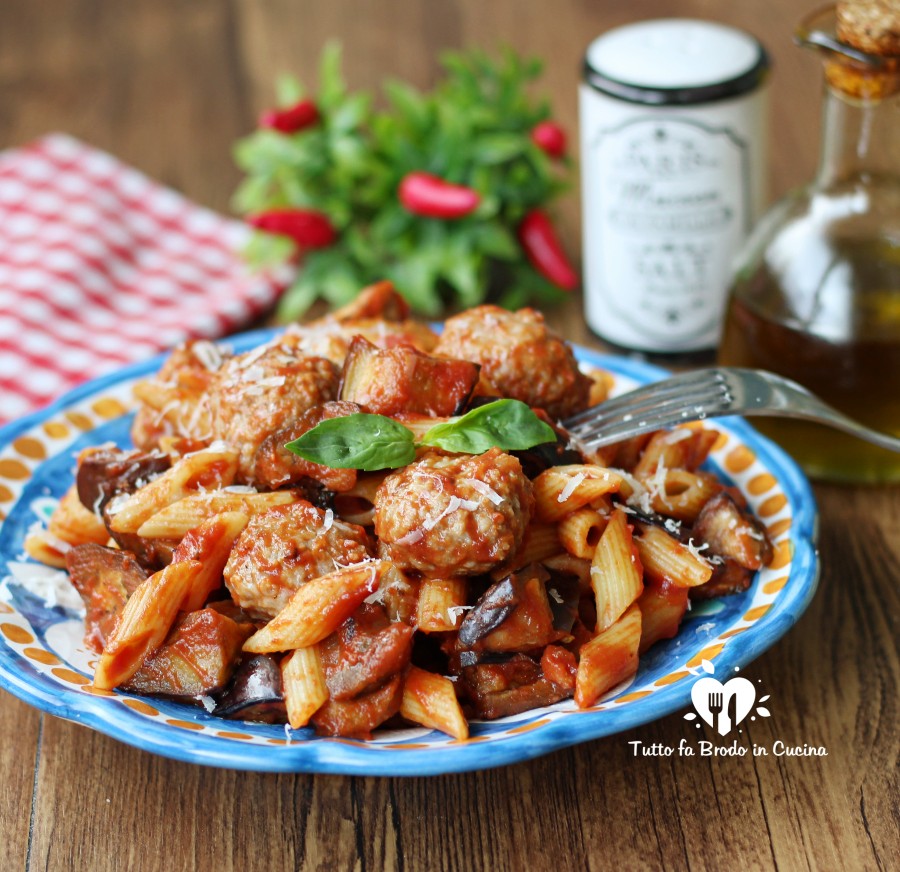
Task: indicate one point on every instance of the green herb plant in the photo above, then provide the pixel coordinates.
(473, 129)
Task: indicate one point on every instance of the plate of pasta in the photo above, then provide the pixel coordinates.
(362, 547)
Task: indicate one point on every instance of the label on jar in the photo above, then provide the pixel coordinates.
(667, 204)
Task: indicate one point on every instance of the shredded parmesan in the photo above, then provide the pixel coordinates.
(554, 595)
(677, 435)
(672, 525)
(207, 353)
(329, 520)
(253, 356)
(411, 537)
(454, 505)
(571, 486)
(485, 490)
(240, 489)
(454, 613)
(51, 585)
(207, 702)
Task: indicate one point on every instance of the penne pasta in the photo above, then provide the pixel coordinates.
(665, 559)
(616, 572)
(176, 519)
(430, 700)
(580, 532)
(540, 542)
(144, 624)
(610, 658)
(70, 524)
(442, 601)
(662, 608)
(318, 608)
(303, 683)
(681, 494)
(562, 490)
(210, 544)
(206, 469)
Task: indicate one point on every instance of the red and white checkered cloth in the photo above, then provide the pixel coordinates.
(100, 266)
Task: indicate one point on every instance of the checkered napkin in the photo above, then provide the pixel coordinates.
(100, 266)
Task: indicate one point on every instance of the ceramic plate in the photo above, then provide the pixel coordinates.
(43, 660)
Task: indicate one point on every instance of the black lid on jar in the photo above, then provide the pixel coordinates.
(675, 62)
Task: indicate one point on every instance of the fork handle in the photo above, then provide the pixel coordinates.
(803, 405)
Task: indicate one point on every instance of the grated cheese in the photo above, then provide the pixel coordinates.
(454, 505)
(207, 353)
(240, 489)
(329, 520)
(554, 595)
(411, 538)
(454, 613)
(571, 486)
(207, 702)
(485, 490)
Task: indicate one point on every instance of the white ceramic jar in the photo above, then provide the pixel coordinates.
(673, 155)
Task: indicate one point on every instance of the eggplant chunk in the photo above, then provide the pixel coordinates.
(275, 466)
(366, 651)
(255, 693)
(508, 688)
(512, 615)
(727, 578)
(387, 381)
(105, 472)
(198, 657)
(729, 532)
(356, 718)
(104, 578)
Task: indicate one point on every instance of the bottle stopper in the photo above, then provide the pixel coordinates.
(871, 27)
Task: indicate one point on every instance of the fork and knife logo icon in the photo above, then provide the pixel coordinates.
(723, 706)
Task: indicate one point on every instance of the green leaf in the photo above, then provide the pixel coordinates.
(267, 249)
(331, 79)
(506, 424)
(288, 90)
(359, 441)
(500, 147)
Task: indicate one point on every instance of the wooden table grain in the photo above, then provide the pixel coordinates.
(167, 85)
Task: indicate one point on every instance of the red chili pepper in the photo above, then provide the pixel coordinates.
(307, 227)
(538, 237)
(428, 195)
(549, 137)
(292, 118)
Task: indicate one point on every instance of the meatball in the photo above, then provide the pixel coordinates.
(459, 514)
(520, 356)
(263, 391)
(171, 402)
(282, 549)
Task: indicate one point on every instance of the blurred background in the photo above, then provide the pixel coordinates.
(169, 85)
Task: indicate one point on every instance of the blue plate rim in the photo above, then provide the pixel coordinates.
(336, 756)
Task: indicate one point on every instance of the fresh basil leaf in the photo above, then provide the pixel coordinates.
(359, 441)
(506, 424)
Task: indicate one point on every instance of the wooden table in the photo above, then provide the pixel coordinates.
(167, 86)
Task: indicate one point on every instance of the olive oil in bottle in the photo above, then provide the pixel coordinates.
(816, 296)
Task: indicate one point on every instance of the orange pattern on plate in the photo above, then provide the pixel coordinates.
(70, 675)
(40, 655)
(14, 469)
(108, 407)
(30, 447)
(739, 459)
(16, 634)
(56, 429)
(141, 707)
(776, 585)
(80, 420)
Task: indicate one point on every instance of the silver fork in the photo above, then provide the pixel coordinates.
(710, 393)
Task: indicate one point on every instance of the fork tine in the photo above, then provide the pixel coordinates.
(675, 386)
(694, 395)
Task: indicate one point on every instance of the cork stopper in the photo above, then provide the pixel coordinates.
(872, 27)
